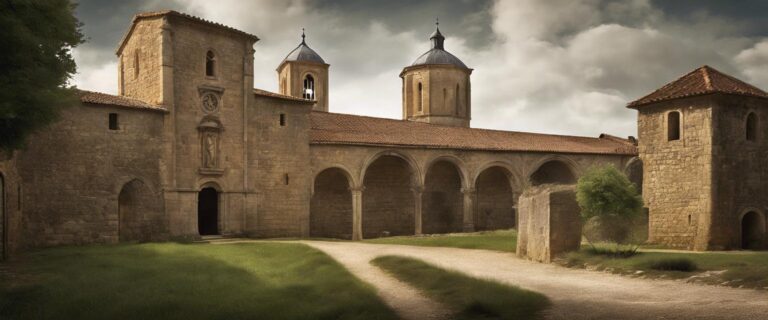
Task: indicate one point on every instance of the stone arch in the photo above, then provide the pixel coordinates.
(351, 178)
(752, 230)
(330, 209)
(390, 180)
(634, 172)
(139, 217)
(554, 170)
(442, 200)
(496, 198)
(413, 166)
(458, 163)
(209, 209)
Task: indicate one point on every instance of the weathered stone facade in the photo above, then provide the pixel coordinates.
(550, 223)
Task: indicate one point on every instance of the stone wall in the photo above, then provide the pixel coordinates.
(677, 174)
(331, 206)
(443, 202)
(496, 201)
(388, 199)
(441, 102)
(741, 169)
(73, 172)
(10, 206)
(549, 222)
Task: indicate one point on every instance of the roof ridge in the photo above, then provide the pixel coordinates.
(737, 80)
(707, 81)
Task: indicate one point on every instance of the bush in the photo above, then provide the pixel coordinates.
(613, 250)
(674, 264)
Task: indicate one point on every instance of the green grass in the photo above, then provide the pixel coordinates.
(501, 240)
(472, 298)
(747, 269)
(178, 281)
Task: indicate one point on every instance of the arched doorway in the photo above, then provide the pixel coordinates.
(442, 201)
(208, 211)
(330, 210)
(553, 172)
(388, 200)
(752, 231)
(3, 229)
(495, 207)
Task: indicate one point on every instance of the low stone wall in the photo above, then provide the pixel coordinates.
(549, 222)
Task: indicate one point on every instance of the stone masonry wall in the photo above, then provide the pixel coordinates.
(331, 206)
(10, 206)
(388, 201)
(549, 222)
(443, 201)
(677, 186)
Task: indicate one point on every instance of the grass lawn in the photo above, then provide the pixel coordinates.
(501, 240)
(737, 269)
(184, 281)
(472, 298)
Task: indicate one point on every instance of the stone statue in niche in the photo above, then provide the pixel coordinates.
(210, 141)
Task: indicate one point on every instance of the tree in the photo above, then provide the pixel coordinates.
(610, 205)
(36, 64)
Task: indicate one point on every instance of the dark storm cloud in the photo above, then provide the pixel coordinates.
(747, 16)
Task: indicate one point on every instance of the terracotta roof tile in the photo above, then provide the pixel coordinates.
(334, 128)
(270, 94)
(120, 101)
(704, 80)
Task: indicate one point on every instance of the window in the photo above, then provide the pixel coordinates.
(751, 127)
(456, 100)
(282, 119)
(309, 87)
(136, 55)
(113, 124)
(210, 64)
(419, 103)
(673, 126)
(287, 179)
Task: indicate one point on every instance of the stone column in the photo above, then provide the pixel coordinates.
(418, 192)
(470, 195)
(357, 213)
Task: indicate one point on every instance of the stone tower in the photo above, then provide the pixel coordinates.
(704, 149)
(436, 87)
(304, 74)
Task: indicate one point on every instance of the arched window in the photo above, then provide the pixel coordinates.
(456, 100)
(751, 127)
(421, 98)
(136, 58)
(210, 64)
(309, 87)
(673, 126)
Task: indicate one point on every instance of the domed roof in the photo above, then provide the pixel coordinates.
(303, 53)
(438, 55)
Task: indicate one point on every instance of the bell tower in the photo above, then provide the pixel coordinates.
(304, 74)
(436, 87)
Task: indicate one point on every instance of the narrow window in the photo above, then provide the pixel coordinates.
(752, 127)
(283, 88)
(445, 102)
(287, 179)
(113, 124)
(136, 55)
(456, 100)
(689, 219)
(210, 64)
(421, 98)
(282, 119)
(309, 87)
(673, 126)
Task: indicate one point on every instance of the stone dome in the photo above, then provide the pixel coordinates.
(304, 53)
(438, 55)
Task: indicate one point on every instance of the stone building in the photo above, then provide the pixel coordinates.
(189, 148)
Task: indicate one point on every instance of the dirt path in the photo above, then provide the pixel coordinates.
(576, 294)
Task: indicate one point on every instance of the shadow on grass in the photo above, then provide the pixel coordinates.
(500, 240)
(173, 281)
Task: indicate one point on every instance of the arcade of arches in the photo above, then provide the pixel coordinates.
(391, 201)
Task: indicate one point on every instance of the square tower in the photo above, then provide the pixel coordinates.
(704, 147)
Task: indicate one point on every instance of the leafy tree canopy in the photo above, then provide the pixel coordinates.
(606, 193)
(36, 39)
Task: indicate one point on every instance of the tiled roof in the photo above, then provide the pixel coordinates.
(704, 80)
(270, 94)
(121, 101)
(185, 16)
(334, 128)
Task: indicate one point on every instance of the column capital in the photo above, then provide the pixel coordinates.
(357, 189)
(468, 191)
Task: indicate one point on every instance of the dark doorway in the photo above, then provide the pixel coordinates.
(752, 231)
(208, 211)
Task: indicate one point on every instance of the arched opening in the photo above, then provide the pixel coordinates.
(210, 64)
(495, 208)
(139, 218)
(751, 127)
(330, 210)
(208, 211)
(309, 87)
(752, 231)
(634, 172)
(673, 126)
(420, 101)
(388, 201)
(553, 172)
(3, 230)
(442, 201)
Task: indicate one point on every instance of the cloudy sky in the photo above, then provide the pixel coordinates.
(552, 66)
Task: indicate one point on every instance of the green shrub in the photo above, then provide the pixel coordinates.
(613, 250)
(673, 264)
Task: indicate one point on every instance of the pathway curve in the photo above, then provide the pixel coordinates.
(575, 294)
